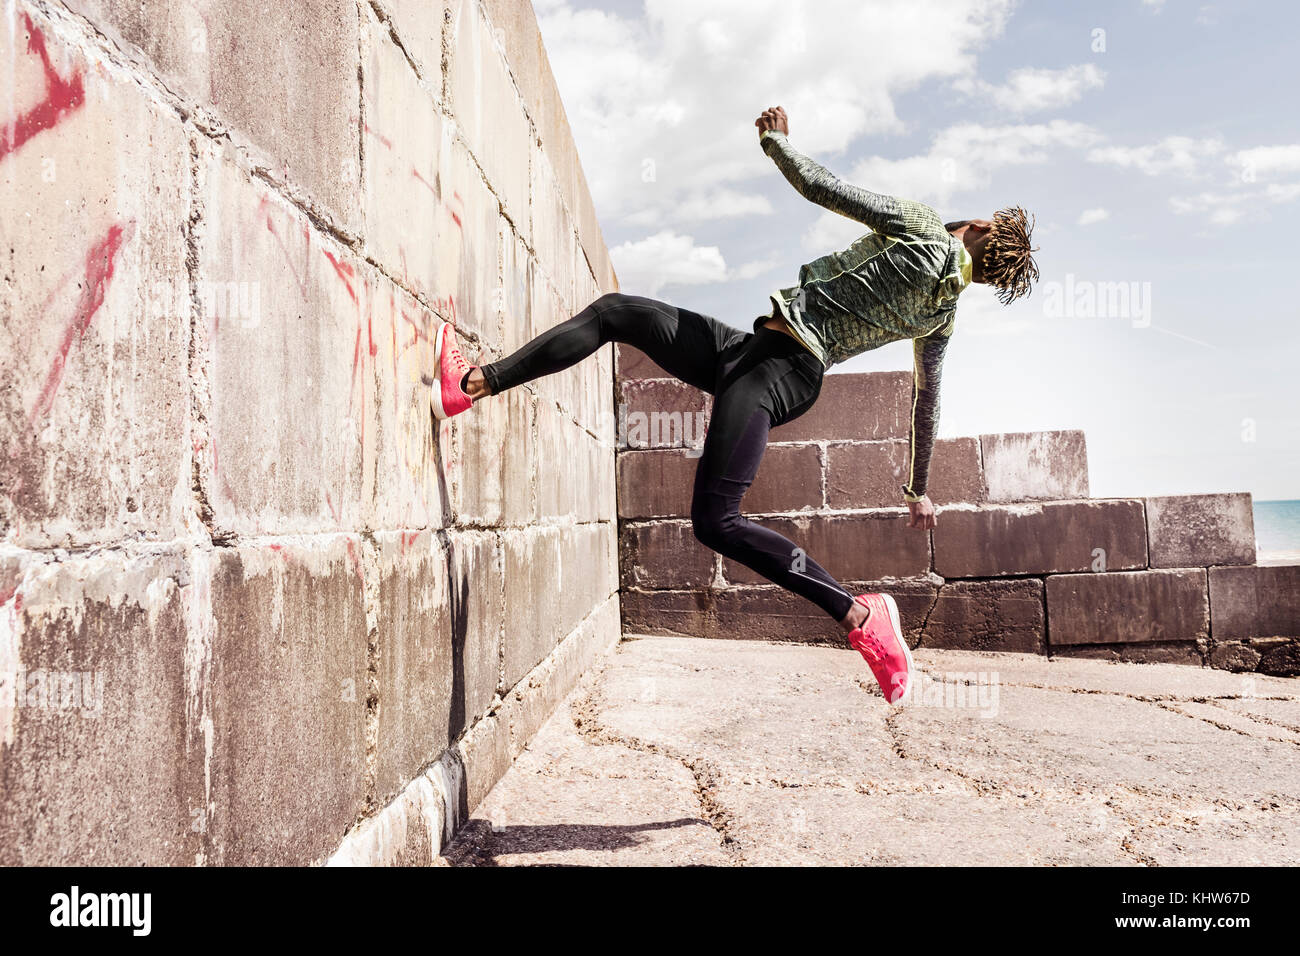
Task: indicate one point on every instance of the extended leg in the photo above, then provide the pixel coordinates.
(733, 449)
(686, 344)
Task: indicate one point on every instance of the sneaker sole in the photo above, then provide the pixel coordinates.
(907, 652)
(435, 390)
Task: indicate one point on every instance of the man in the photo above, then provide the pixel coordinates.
(899, 281)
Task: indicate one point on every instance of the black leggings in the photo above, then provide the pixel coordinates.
(759, 380)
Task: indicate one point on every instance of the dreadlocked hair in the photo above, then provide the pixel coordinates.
(1008, 265)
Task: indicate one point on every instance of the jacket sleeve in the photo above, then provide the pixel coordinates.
(814, 182)
(927, 355)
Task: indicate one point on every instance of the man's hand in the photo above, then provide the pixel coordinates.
(923, 516)
(773, 118)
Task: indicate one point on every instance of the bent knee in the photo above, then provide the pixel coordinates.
(713, 528)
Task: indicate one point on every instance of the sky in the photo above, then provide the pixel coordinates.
(1156, 142)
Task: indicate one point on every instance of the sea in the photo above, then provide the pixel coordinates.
(1277, 532)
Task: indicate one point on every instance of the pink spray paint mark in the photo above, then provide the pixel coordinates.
(270, 227)
(344, 272)
(101, 262)
(61, 98)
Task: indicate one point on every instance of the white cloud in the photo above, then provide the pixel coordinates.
(683, 85)
(1090, 216)
(1033, 90)
(666, 258)
(1265, 161)
(1173, 154)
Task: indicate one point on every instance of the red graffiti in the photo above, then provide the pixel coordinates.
(101, 262)
(270, 227)
(383, 139)
(428, 185)
(61, 98)
(345, 272)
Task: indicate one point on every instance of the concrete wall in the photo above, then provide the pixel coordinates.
(255, 605)
(1022, 559)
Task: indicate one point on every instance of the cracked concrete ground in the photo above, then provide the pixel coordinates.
(679, 751)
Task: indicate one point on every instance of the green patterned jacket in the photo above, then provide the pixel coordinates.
(900, 281)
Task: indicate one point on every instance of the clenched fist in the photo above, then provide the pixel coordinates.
(773, 118)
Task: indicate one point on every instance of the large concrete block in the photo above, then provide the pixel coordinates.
(996, 540)
(662, 413)
(573, 466)
(94, 300)
(405, 212)
(551, 229)
(103, 755)
(288, 700)
(1188, 531)
(988, 616)
(871, 474)
(468, 270)
(532, 562)
(488, 109)
(655, 482)
(421, 685)
(1133, 607)
(403, 474)
(1031, 466)
(288, 430)
(685, 613)
(480, 619)
(860, 406)
(1255, 602)
(789, 479)
(281, 77)
(664, 554)
(418, 24)
(490, 460)
(517, 279)
(871, 546)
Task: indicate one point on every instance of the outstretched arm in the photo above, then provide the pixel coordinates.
(817, 184)
(927, 355)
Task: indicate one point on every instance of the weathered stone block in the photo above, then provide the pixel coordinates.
(871, 474)
(772, 613)
(666, 612)
(860, 406)
(422, 684)
(988, 616)
(664, 554)
(94, 300)
(656, 483)
(1255, 602)
(1052, 537)
(662, 413)
(485, 104)
(282, 76)
(1188, 531)
(288, 700)
(1233, 657)
(1029, 466)
(870, 546)
(289, 431)
(551, 229)
(478, 624)
(1136, 607)
(100, 713)
(405, 212)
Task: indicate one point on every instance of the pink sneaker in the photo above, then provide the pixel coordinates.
(446, 395)
(880, 641)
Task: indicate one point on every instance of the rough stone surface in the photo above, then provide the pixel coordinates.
(1045, 538)
(95, 302)
(742, 753)
(871, 474)
(1281, 661)
(269, 72)
(664, 554)
(1128, 607)
(1255, 602)
(988, 616)
(1234, 657)
(1030, 466)
(289, 666)
(1187, 531)
(858, 547)
(860, 406)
